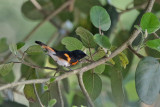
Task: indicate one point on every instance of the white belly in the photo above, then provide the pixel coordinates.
(60, 61)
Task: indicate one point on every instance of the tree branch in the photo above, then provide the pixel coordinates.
(80, 80)
(88, 67)
(39, 100)
(54, 13)
(60, 94)
(135, 52)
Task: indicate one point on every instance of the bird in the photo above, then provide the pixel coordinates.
(63, 58)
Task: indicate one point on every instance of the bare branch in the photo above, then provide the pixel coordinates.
(88, 67)
(39, 100)
(60, 94)
(36, 4)
(135, 52)
(80, 80)
(54, 13)
(157, 37)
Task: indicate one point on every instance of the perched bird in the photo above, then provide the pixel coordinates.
(63, 58)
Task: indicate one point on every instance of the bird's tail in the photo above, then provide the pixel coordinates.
(44, 46)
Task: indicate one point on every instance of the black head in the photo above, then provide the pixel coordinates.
(78, 54)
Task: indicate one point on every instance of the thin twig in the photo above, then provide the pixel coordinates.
(54, 13)
(36, 4)
(88, 67)
(157, 37)
(80, 80)
(135, 52)
(60, 94)
(39, 100)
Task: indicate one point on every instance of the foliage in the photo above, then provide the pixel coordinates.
(96, 29)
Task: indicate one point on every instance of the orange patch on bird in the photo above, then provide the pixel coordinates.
(74, 63)
(47, 47)
(68, 57)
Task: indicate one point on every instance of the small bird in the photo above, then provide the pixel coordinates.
(63, 58)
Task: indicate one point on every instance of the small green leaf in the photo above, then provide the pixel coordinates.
(6, 68)
(3, 44)
(20, 45)
(45, 87)
(52, 102)
(29, 93)
(72, 43)
(154, 44)
(93, 84)
(45, 97)
(99, 69)
(99, 54)
(33, 50)
(102, 41)
(147, 79)
(13, 48)
(150, 22)
(100, 18)
(86, 37)
(52, 79)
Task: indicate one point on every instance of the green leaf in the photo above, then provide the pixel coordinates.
(100, 18)
(45, 87)
(131, 91)
(150, 23)
(87, 5)
(72, 43)
(33, 50)
(20, 45)
(99, 54)
(52, 79)
(93, 84)
(6, 68)
(154, 44)
(29, 93)
(13, 48)
(30, 11)
(102, 41)
(147, 79)
(3, 44)
(45, 97)
(99, 69)
(52, 102)
(86, 37)
(116, 85)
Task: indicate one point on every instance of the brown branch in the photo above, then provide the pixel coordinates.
(88, 67)
(60, 94)
(80, 80)
(157, 37)
(39, 100)
(135, 52)
(54, 13)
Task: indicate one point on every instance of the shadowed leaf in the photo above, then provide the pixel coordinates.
(148, 79)
(72, 43)
(93, 84)
(86, 37)
(6, 68)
